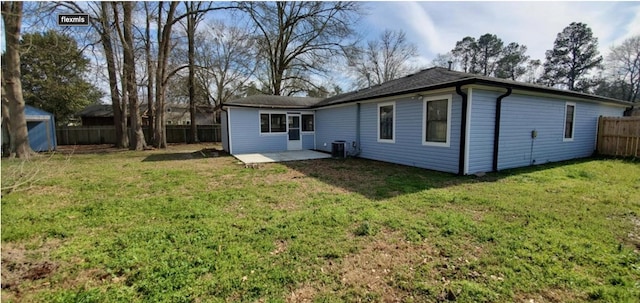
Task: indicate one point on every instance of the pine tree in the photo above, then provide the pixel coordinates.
(574, 55)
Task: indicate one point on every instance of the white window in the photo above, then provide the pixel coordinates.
(307, 123)
(436, 121)
(569, 121)
(387, 122)
(273, 123)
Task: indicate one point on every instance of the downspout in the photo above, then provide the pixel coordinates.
(496, 130)
(463, 130)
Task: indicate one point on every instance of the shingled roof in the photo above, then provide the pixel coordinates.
(438, 77)
(424, 80)
(270, 101)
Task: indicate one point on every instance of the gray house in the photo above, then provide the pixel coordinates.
(436, 119)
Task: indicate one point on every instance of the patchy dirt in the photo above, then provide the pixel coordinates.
(21, 265)
(281, 246)
(110, 148)
(304, 294)
(547, 296)
(88, 149)
(633, 237)
(382, 265)
(345, 176)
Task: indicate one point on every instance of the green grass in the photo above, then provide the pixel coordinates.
(173, 226)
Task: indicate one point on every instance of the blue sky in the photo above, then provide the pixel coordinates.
(436, 26)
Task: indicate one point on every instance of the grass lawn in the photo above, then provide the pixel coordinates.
(180, 226)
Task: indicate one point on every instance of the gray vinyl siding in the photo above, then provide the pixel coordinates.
(521, 114)
(224, 131)
(308, 141)
(481, 131)
(408, 148)
(246, 136)
(337, 123)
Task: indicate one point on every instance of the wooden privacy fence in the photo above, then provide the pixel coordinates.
(619, 136)
(82, 135)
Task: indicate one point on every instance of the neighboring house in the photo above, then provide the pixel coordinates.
(436, 119)
(96, 114)
(41, 127)
(176, 114)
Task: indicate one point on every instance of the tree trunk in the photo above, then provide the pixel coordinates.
(150, 77)
(119, 120)
(191, 28)
(164, 43)
(137, 138)
(19, 141)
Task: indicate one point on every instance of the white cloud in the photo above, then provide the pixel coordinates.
(436, 26)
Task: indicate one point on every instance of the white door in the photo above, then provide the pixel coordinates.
(293, 129)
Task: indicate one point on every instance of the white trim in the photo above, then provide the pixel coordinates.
(314, 124)
(298, 143)
(393, 126)
(229, 130)
(467, 138)
(270, 112)
(547, 95)
(573, 122)
(425, 100)
(33, 118)
(410, 96)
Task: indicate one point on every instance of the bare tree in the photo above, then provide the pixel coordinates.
(384, 59)
(168, 16)
(623, 65)
(19, 141)
(193, 19)
(298, 39)
(129, 80)
(150, 70)
(228, 60)
(101, 20)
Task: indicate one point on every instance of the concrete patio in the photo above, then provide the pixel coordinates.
(293, 155)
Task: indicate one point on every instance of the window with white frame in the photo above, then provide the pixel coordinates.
(307, 123)
(273, 123)
(436, 129)
(569, 120)
(386, 122)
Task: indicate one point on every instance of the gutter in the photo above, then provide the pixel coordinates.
(496, 130)
(463, 130)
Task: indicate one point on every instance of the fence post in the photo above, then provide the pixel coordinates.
(599, 135)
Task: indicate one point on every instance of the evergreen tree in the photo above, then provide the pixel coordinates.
(53, 70)
(489, 48)
(574, 55)
(512, 63)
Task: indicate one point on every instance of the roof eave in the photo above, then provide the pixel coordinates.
(481, 81)
(552, 91)
(267, 106)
